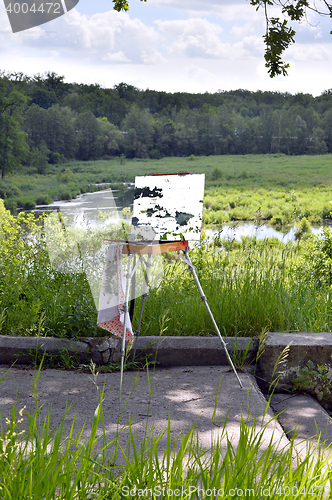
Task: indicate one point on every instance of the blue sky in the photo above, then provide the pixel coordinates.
(170, 45)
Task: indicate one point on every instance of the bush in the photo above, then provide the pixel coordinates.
(8, 190)
(303, 228)
(315, 266)
(216, 174)
(44, 200)
(10, 204)
(27, 203)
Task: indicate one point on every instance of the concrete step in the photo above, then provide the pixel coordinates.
(286, 354)
(167, 351)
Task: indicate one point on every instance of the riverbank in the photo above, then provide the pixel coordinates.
(276, 188)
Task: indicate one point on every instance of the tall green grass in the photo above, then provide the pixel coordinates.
(250, 286)
(45, 463)
(249, 289)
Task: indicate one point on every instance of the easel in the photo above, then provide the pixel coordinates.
(149, 248)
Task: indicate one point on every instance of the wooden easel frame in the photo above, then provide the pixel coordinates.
(150, 248)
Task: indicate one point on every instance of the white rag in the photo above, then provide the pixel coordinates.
(112, 295)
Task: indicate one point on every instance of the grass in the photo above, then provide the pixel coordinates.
(38, 461)
(249, 289)
(277, 188)
(251, 286)
(248, 284)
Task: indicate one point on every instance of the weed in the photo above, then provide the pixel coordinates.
(317, 381)
(241, 357)
(38, 461)
(63, 359)
(95, 374)
(277, 371)
(2, 319)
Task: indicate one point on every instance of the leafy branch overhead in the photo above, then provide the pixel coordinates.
(279, 35)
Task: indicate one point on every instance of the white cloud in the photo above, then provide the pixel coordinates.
(196, 46)
(199, 38)
(191, 26)
(228, 11)
(9, 40)
(151, 56)
(116, 57)
(306, 52)
(123, 39)
(109, 37)
(199, 75)
(195, 37)
(242, 30)
(250, 46)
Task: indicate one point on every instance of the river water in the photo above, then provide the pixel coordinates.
(86, 209)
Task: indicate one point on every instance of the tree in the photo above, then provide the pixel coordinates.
(109, 137)
(53, 130)
(87, 128)
(13, 147)
(278, 34)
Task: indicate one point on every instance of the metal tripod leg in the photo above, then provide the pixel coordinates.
(191, 267)
(129, 275)
(125, 310)
(139, 326)
(144, 295)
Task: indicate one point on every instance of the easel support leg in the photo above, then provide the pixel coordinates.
(144, 295)
(138, 331)
(191, 267)
(125, 310)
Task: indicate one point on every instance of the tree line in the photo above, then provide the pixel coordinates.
(45, 120)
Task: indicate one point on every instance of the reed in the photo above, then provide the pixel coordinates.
(38, 461)
(250, 285)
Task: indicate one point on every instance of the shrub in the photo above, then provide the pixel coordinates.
(303, 228)
(216, 174)
(10, 204)
(44, 200)
(315, 266)
(26, 203)
(8, 190)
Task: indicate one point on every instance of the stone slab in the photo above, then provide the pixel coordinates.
(303, 347)
(206, 397)
(167, 351)
(196, 351)
(22, 350)
(303, 417)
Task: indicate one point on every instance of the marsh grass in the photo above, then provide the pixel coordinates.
(282, 189)
(249, 290)
(252, 285)
(46, 463)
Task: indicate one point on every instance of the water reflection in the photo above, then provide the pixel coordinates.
(239, 229)
(89, 206)
(92, 209)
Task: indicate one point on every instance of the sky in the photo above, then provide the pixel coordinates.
(169, 45)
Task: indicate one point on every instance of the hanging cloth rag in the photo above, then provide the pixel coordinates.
(112, 295)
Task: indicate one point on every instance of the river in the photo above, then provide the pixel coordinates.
(87, 209)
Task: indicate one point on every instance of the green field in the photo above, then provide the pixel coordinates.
(275, 188)
(251, 286)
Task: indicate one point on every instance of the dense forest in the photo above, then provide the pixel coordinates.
(44, 120)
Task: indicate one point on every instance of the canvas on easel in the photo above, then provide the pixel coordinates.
(170, 205)
(170, 208)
